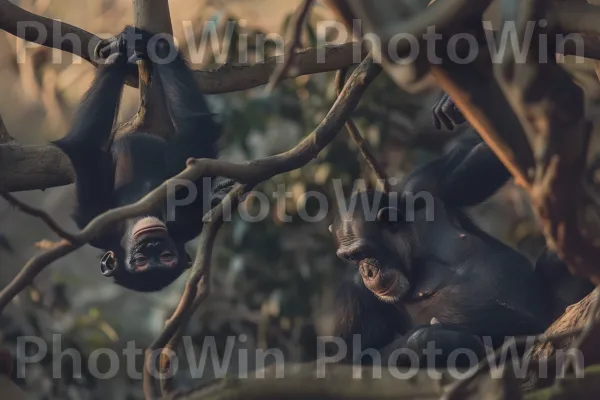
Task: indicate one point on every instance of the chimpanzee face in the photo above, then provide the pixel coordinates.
(148, 259)
(379, 246)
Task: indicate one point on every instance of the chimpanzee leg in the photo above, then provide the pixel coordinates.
(197, 132)
(87, 142)
(466, 175)
(196, 136)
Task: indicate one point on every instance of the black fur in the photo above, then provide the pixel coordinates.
(412, 272)
(108, 175)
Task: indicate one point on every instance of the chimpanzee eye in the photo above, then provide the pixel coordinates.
(166, 256)
(140, 260)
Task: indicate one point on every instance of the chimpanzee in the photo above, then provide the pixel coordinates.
(145, 253)
(426, 272)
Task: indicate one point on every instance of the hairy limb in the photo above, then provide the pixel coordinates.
(466, 175)
(87, 143)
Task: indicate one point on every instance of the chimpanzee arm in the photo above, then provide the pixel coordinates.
(466, 175)
(476, 178)
(87, 142)
(359, 312)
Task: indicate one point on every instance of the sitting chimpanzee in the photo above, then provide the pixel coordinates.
(426, 272)
(145, 253)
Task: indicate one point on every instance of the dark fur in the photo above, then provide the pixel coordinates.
(472, 283)
(109, 175)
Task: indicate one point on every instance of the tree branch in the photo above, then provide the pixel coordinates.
(363, 146)
(48, 220)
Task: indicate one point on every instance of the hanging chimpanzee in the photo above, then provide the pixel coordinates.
(145, 253)
(426, 272)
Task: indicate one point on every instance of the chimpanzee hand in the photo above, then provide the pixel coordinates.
(131, 44)
(446, 113)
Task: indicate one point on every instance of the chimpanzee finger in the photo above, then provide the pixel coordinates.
(107, 47)
(135, 58)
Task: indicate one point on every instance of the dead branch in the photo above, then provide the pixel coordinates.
(293, 43)
(47, 219)
(363, 146)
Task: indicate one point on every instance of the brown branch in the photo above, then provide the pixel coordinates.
(294, 42)
(228, 78)
(47, 219)
(33, 167)
(44, 31)
(363, 146)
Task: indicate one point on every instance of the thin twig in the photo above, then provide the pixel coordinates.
(294, 43)
(363, 146)
(196, 290)
(48, 220)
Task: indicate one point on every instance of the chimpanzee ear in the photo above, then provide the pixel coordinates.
(108, 264)
(389, 215)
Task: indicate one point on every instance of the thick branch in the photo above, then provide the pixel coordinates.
(33, 167)
(46, 31)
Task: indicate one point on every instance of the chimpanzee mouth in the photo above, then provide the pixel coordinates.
(390, 289)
